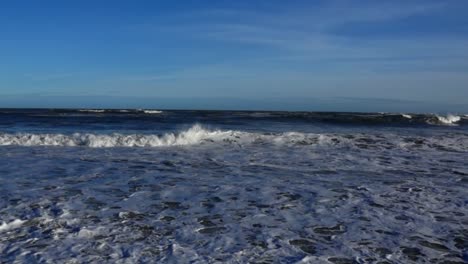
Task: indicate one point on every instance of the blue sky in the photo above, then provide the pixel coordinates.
(260, 54)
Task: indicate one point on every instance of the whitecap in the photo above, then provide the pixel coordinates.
(449, 119)
(152, 112)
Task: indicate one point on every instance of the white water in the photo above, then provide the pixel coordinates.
(234, 197)
(152, 112)
(12, 225)
(194, 135)
(197, 135)
(449, 119)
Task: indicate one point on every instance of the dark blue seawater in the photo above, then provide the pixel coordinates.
(147, 186)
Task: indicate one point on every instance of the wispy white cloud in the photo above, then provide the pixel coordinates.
(298, 48)
(314, 17)
(343, 12)
(306, 32)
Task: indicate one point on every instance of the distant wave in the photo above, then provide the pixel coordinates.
(111, 111)
(372, 119)
(199, 135)
(105, 111)
(92, 110)
(152, 112)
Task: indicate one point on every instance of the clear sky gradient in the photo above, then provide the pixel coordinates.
(264, 54)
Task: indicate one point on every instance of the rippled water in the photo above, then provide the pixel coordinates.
(238, 187)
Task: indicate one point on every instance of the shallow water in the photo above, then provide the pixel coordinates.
(240, 187)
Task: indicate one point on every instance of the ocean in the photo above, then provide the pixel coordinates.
(146, 186)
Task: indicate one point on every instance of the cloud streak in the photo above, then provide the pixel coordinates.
(308, 34)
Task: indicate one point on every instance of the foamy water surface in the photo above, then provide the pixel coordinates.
(216, 187)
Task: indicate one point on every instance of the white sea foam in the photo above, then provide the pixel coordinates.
(152, 111)
(406, 116)
(88, 233)
(198, 135)
(449, 119)
(12, 225)
(207, 203)
(194, 135)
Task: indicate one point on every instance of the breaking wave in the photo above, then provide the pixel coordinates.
(449, 119)
(194, 135)
(198, 135)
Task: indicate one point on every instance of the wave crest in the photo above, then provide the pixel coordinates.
(199, 135)
(449, 119)
(194, 135)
